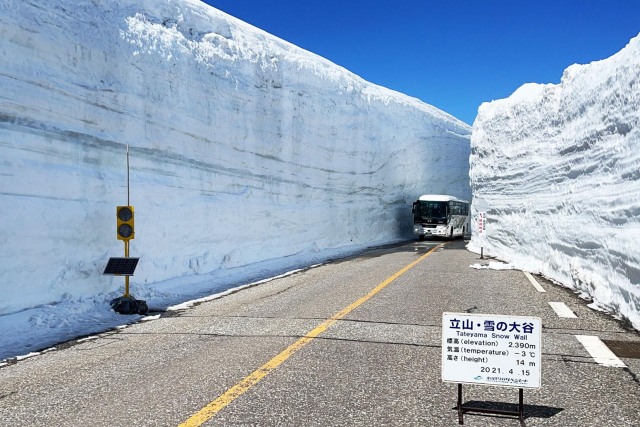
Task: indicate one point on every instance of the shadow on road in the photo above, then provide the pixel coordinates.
(530, 411)
(414, 246)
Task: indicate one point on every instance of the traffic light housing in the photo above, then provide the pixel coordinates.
(125, 229)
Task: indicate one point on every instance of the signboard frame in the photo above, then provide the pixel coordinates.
(492, 349)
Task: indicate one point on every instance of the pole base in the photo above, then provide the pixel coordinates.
(129, 305)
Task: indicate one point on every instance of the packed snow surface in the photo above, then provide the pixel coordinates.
(557, 170)
(248, 157)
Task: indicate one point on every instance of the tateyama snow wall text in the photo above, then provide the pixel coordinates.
(557, 169)
(244, 149)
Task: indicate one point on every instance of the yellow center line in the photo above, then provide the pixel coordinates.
(216, 405)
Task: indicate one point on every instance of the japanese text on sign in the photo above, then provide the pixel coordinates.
(482, 223)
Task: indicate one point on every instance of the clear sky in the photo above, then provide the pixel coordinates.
(453, 54)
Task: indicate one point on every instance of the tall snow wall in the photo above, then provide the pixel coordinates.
(557, 169)
(244, 149)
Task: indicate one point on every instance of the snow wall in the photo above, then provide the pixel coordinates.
(557, 169)
(248, 155)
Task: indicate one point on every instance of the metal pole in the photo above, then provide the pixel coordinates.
(128, 203)
(460, 412)
(126, 278)
(521, 407)
(126, 243)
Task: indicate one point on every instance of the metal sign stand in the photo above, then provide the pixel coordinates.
(493, 350)
(464, 409)
(482, 228)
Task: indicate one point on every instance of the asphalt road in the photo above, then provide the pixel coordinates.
(349, 343)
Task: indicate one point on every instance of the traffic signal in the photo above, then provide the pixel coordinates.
(125, 230)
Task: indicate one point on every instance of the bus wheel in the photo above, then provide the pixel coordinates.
(421, 237)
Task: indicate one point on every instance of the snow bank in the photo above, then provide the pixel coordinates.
(249, 156)
(557, 169)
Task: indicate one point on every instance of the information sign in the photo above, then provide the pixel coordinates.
(482, 223)
(491, 349)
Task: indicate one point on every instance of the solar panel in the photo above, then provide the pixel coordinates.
(121, 266)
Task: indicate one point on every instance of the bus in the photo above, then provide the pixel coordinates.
(440, 215)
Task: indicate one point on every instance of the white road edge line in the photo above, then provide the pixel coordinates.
(562, 310)
(534, 282)
(600, 352)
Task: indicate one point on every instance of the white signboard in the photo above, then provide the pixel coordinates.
(491, 349)
(482, 223)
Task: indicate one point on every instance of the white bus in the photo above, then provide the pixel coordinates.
(440, 215)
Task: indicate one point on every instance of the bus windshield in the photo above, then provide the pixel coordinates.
(430, 210)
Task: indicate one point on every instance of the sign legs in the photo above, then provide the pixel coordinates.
(463, 409)
(460, 411)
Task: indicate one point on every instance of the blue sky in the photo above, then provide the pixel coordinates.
(453, 54)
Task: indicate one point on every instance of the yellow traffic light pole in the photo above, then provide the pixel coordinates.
(125, 231)
(126, 242)
(126, 278)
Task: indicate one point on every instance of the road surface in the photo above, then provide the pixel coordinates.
(355, 342)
